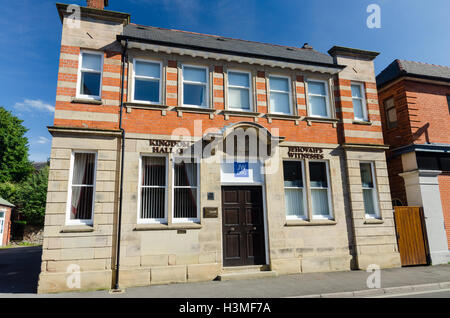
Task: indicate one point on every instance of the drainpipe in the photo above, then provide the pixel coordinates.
(119, 227)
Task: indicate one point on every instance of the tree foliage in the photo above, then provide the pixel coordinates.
(29, 196)
(14, 163)
(20, 184)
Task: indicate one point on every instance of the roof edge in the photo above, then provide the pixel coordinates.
(348, 51)
(200, 48)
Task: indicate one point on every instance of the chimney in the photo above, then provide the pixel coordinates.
(97, 4)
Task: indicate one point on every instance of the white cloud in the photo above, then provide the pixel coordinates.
(34, 104)
(42, 140)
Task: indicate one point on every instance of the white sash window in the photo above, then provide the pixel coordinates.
(153, 190)
(370, 195)
(359, 102)
(90, 75)
(294, 190)
(280, 95)
(318, 99)
(186, 195)
(147, 81)
(320, 190)
(82, 188)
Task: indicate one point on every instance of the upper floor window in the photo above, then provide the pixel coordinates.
(195, 86)
(359, 102)
(81, 188)
(147, 81)
(318, 98)
(369, 189)
(239, 90)
(391, 113)
(280, 95)
(90, 75)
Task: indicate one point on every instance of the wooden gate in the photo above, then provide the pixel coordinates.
(411, 235)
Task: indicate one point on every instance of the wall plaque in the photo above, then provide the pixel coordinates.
(210, 212)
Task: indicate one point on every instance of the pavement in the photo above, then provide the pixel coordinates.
(19, 270)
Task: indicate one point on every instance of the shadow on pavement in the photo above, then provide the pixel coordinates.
(19, 270)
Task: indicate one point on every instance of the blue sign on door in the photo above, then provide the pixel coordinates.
(241, 170)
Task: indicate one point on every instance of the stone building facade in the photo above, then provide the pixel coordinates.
(313, 197)
(415, 112)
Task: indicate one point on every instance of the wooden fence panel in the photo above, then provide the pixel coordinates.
(412, 243)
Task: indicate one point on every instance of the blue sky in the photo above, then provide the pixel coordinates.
(30, 33)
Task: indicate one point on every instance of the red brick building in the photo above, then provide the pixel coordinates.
(145, 187)
(5, 221)
(415, 111)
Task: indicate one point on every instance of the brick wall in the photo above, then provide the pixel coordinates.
(444, 187)
(105, 116)
(429, 112)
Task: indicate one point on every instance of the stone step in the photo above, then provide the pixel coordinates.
(250, 268)
(246, 275)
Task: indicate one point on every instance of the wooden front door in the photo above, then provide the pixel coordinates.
(243, 226)
(412, 242)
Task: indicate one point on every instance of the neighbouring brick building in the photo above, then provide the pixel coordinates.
(5, 221)
(415, 111)
(181, 157)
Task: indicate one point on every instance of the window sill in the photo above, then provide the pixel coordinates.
(76, 100)
(373, 221)
(282, 117)
(173, 226)
(193, 109)
(333, 121)
(309, 223)
(241, 113)
(362, 122)
(145, 105)
(77, 229)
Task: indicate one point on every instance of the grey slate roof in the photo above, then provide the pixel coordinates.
(3, 202)
(225, 45)
(413, 69)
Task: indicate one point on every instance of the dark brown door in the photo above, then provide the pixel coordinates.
(412, 243)
(243, 226)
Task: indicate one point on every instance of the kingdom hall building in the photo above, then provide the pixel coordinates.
(183, 157)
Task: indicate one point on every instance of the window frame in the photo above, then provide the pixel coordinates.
(250, 90)
(388, 122)
(146, 78)
(89, 222)
(330, 216)
(363, 102)
(80, 71)
(304, 188)
(291, 108)
(374, 191)
(206, 68)
(141, 220)
(327, 97)
(173, 187)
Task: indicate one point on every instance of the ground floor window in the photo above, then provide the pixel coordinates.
(320, 190)
(294, 192)
(185, 195)
(82, 188)
(369, 189)
(153, 186)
